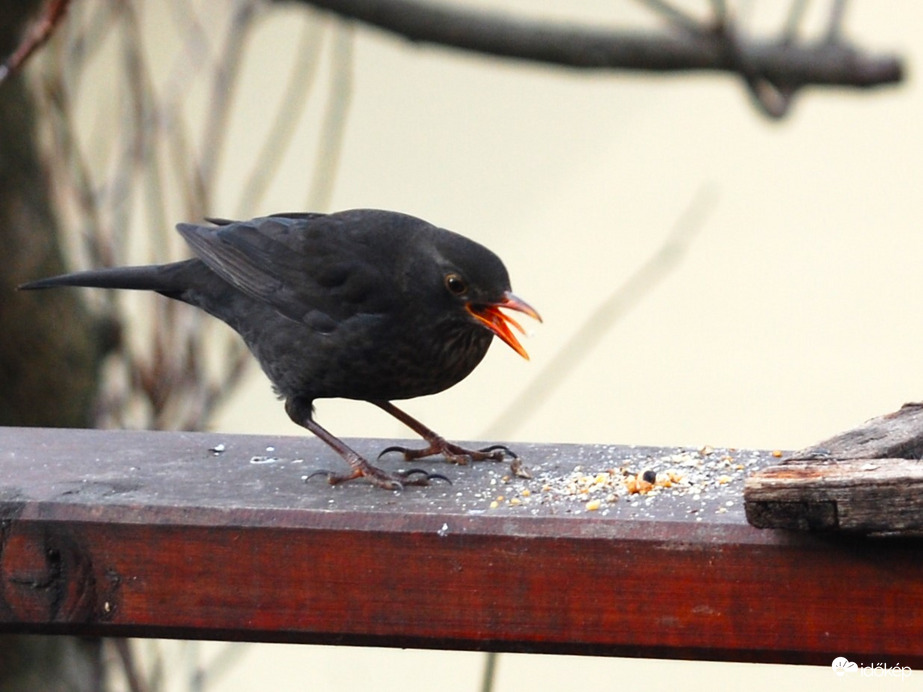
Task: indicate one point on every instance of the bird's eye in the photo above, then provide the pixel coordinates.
(456, 285)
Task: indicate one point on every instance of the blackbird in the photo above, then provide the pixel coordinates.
(363, 304)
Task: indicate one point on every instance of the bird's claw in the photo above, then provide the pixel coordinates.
(452, 453)
(426, 474)
(381, 478)
(395, 448)
(459, 455)
(498, 452)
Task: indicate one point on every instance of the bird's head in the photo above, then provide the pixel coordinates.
(475, 281)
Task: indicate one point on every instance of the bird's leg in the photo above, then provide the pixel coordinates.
(301, 411)
(452, 452)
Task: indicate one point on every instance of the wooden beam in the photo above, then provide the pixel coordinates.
(154, 534)
(867, 480)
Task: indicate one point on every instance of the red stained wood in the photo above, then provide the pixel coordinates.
(151, 534)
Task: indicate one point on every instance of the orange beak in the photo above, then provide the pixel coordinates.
(500, 323)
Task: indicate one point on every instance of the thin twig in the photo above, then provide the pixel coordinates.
(333, 127)
(194, 51)
(40, 32)
(223, 89)
(489, 677)
(793, 21)
(674, 16)
(142, 152)
(589, 334)
(70, 162)
(288, 113)
(835, 22)
(126, 658)
(771, 99)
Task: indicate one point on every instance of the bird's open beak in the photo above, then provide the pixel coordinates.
(500, 323)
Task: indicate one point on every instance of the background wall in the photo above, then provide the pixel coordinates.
(792, 316)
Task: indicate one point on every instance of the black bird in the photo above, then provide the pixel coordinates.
(362, 304)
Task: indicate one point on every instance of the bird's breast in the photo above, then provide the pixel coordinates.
(415, 363)
(367, 356)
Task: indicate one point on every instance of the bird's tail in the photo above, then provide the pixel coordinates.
(163, 278)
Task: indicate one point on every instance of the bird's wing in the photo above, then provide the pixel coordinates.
(306, 269)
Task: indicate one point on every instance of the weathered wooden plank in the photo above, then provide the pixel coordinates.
(152, 534)
(866, 480)
(894, 435)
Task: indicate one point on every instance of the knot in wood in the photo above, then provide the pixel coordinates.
(45, 577)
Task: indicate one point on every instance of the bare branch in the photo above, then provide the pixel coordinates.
(772, 70)
(780, 64)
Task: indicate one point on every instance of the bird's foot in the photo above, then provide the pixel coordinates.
(381, 478)
(456, 454)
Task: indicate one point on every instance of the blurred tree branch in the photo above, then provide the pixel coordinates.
(97, 152)
(773, 70)
(49, 354)
(51, 351)
(41, 31)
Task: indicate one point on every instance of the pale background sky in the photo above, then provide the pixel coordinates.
(794, 316)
